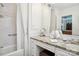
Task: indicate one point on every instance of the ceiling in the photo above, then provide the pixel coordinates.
(65, 5)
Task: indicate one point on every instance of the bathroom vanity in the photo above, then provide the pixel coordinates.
(58, 47)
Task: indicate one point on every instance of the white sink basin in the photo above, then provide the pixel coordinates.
(58, 42)
(53, 40)
(61, 44)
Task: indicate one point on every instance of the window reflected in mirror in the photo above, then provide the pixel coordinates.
(66, 26)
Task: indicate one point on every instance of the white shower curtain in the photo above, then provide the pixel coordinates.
(22, 28)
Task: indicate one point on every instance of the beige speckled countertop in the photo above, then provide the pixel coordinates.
(58, 43)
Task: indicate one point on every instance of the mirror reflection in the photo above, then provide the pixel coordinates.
(66, 25)
(64, 21)
(67, 18)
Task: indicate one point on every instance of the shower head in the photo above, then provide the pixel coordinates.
(51, 6)
(1, 5)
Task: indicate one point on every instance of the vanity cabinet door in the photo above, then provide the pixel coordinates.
(35, 50)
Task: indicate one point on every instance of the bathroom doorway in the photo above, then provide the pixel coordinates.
(67, 25)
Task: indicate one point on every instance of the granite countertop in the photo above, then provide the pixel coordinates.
(59, 44)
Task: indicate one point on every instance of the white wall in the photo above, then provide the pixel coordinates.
(8, 24)
(36, 18)
(74, 11)
(46, 17)
(41, 16)
(53, 20)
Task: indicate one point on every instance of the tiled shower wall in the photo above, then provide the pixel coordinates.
(8, 25)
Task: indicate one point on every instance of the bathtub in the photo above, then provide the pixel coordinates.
(11, 51)
(19, 52)
(7, 49)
